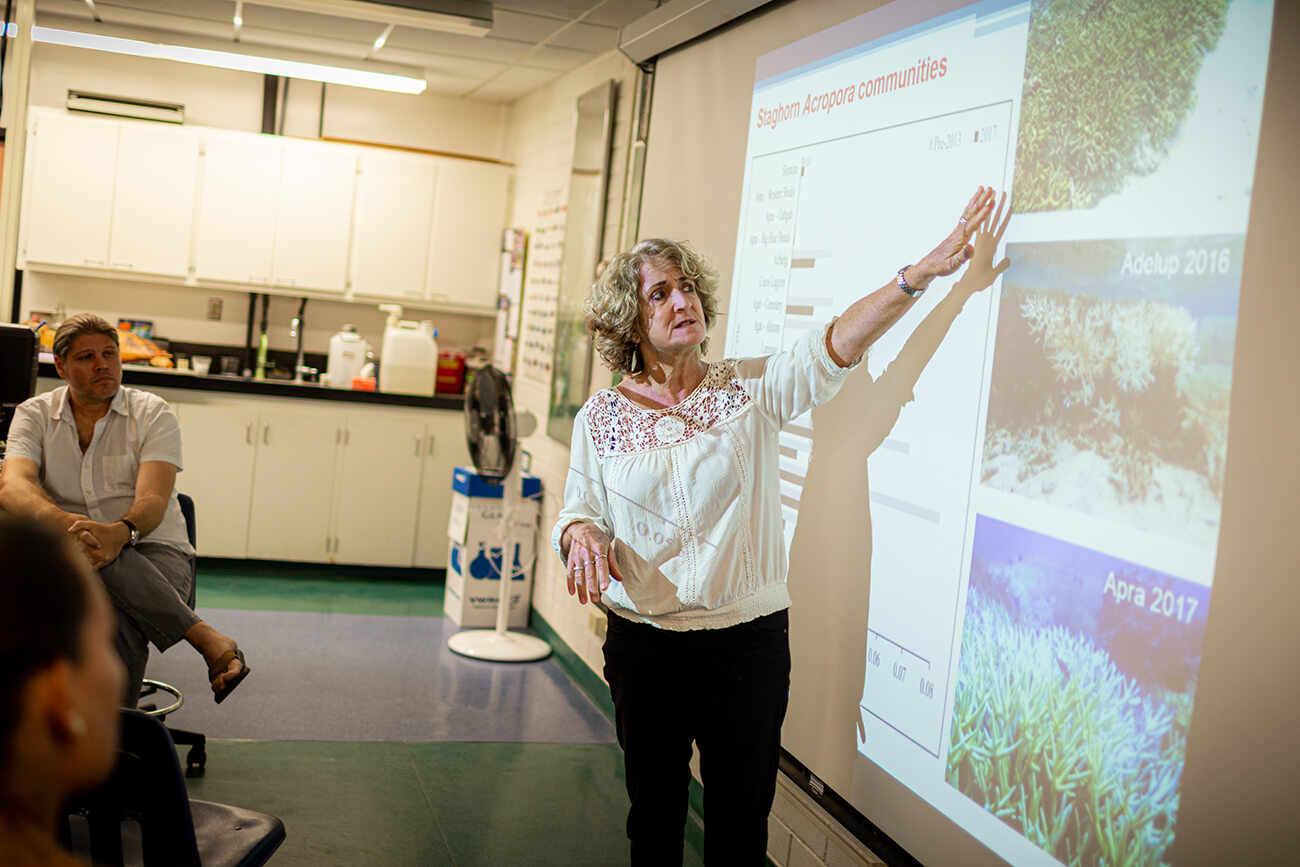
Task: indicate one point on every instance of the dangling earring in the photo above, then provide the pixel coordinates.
(635, 366)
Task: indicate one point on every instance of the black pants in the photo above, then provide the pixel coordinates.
(727, 691)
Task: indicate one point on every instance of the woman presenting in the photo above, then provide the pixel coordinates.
(672, 516)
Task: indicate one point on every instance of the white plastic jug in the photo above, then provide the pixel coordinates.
(408, 363)
(348, 351)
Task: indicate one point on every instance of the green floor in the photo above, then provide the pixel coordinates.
(397, 804)
(307, 592)
(437, 803)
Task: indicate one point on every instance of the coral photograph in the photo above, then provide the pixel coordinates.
(1110, 91)
(1074, 696)
(1112, 372)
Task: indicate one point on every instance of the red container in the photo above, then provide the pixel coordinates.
(451, 373)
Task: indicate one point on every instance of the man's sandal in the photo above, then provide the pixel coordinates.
(219, 667)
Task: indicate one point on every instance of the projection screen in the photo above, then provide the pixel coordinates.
(1029, 561)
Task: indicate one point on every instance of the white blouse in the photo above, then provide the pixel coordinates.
(690, 494)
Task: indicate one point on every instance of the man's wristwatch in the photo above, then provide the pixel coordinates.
(902, 283)
(135, 534)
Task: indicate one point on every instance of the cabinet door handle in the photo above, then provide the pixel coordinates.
(248, 433)
(126, 265)
(431, 438)
(266, 433)
(417, 445)
(94, 261)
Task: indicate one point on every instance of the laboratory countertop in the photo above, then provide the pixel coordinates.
(155, 377)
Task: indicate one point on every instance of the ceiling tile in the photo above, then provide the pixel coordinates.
(534, 40)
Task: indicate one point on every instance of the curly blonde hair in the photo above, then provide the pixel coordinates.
(613, 307)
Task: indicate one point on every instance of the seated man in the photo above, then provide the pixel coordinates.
(99, 461)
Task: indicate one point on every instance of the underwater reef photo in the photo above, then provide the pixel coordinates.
(1109, 393)
(1074, 696)
(1108, 84)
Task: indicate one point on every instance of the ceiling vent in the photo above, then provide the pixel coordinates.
(125, 106)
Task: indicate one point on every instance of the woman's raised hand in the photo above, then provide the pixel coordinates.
(590, 561)
(956, 249)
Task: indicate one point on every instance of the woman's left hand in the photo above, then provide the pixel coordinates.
(956, 249)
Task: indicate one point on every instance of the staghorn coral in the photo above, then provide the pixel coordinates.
(1204, 419)
(1131, 367)
(1096, 343)
(1107, 84)
(1117, 366)
(1050, 737)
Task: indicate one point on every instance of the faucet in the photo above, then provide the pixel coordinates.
(295, 330)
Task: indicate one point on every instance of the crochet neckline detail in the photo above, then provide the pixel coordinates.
(699, 389)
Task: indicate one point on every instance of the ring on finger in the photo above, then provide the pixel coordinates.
(602, 556)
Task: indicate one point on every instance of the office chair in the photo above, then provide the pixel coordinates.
(143, 814)
(197, 757)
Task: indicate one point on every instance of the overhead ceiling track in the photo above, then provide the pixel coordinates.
(676, 23)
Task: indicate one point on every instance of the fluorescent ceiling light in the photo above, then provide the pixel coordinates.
(232, 60)
(383, 37)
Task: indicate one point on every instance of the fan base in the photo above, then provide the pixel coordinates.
(498, 647)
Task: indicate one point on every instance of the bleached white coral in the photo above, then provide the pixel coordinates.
(1173, 334)
(1035, 310)
(1106, 413)
(1123, 341)
(1131, 367)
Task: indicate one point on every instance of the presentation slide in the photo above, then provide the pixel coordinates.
(1044, 511)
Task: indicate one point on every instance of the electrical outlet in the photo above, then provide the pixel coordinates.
(214, 308)
(597, 623)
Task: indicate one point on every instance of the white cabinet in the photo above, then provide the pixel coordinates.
(292, 496)
(275, 212)
(223, 208)
(378, 491)
(392, 225)
(468, 216)
(429, 228)
(71, 165)
(103, 194)
(444, 450)
(314, 218)
(219, 447)
(301, 481)
(153, 200)
(237, 208)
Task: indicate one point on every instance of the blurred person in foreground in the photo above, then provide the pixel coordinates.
(99, 461)
(60, 683)
(672, 518)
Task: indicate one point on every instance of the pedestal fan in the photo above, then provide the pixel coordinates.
(492, 430)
